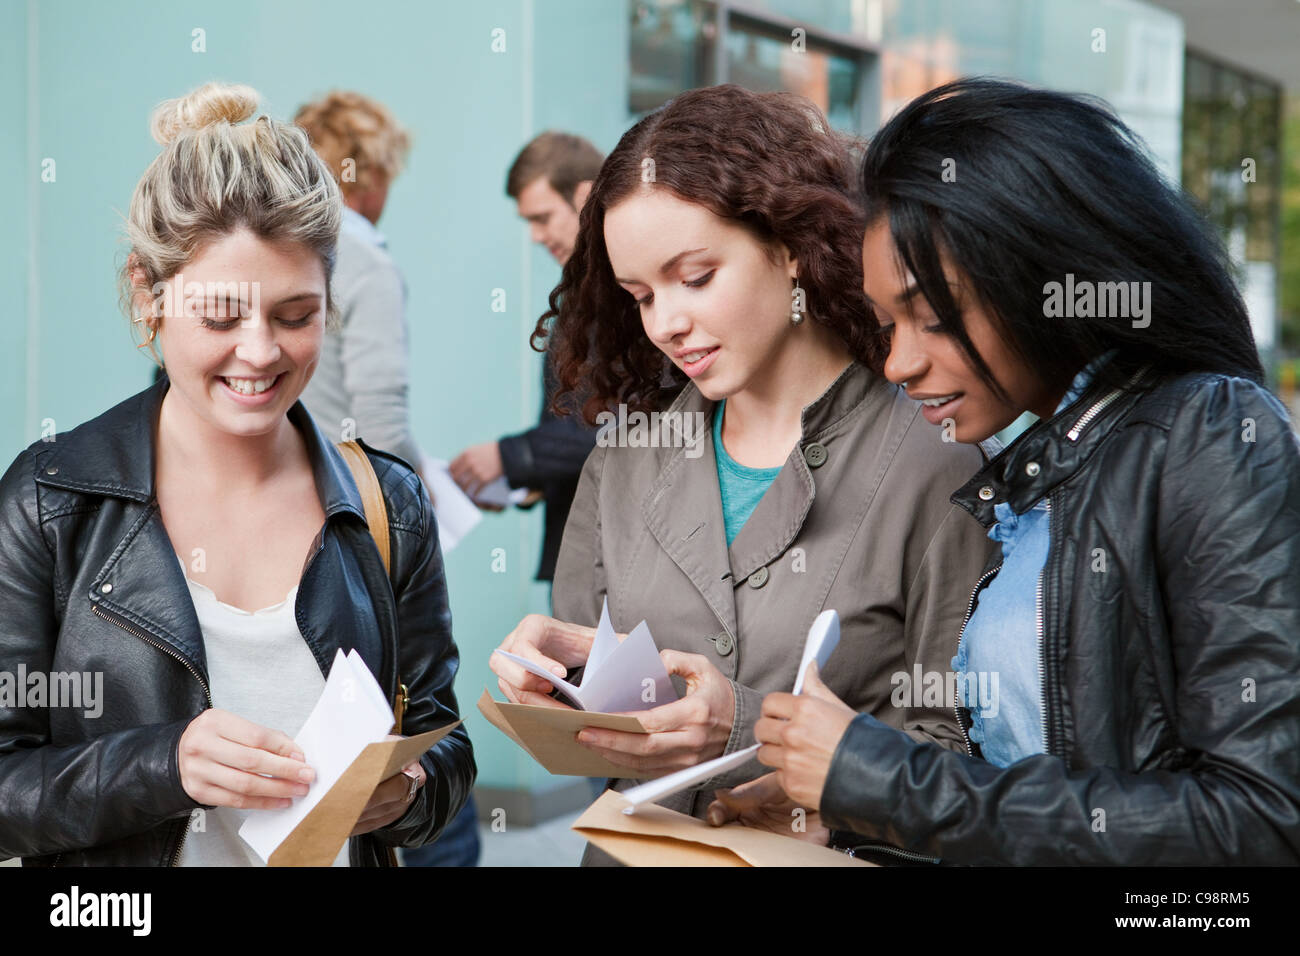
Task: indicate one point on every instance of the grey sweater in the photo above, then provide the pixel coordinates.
(363, 373)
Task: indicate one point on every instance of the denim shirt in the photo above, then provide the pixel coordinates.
(999, 662)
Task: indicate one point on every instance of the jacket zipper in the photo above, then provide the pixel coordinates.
(970, 609)
(1099, 406)
(207, 693)
(893, 850)
(1038, 631)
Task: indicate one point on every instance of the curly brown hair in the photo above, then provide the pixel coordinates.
(767, 161)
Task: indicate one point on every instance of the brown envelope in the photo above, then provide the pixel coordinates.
(319, 836)
(657, 836)
(547, 735)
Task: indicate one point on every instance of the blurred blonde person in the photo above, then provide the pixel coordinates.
(361, 387)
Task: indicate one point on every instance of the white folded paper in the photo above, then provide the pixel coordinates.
(619, 676)
(350, 714)
(823, 636)
(456, 511)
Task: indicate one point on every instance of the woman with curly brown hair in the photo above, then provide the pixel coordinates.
(719, 257)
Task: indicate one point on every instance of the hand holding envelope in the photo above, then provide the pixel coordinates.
(345, 741)
(619, 678)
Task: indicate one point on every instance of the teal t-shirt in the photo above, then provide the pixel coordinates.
(741, 487)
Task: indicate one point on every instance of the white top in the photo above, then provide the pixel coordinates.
(260, 668)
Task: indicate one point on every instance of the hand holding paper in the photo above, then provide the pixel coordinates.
(680, 733)
(555, 646)
(343, 742)
(620, 676)
(799, 737)
(823, 637)
(627, 676)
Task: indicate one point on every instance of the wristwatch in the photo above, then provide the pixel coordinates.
(415, 785)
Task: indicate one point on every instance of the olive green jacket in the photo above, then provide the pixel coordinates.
(858, 519)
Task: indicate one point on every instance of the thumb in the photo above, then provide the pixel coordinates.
(682, 663)
(813, 686)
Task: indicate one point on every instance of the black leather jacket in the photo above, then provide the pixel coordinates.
(1170, 649)
(89, 582)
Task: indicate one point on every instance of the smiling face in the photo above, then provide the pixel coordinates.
(216, 359)
(710, 296)
(931, 364)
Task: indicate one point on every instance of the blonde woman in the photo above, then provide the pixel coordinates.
(201, 548)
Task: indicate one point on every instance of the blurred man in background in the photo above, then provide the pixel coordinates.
(549, 181)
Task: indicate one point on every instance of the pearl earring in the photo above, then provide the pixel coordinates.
(797, 305)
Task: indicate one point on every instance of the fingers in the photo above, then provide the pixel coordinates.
(236, 728)
(525, 641)
(248, 786)
(772, 755)
(779, 705)
(687, 665)
(387, 804)
(249, 760)
(671, 716)
(771, 730)
(226, 760)
(756, 792)
(521, 679)
(721, 811)
(748, 797)
(553, 645)
(650, 753)
(459, 470)
(214, 796)
(516, 695)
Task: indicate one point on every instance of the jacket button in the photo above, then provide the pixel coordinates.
(52, 470)
(1032, 469)
(986, 493)
(758, 578)
(723, 644)
(106, 588)
(815, 455)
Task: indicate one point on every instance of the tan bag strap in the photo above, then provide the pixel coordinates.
(372, 499)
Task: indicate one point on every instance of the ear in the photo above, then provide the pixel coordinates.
(580, 194)
(142, 295)
(780, 255)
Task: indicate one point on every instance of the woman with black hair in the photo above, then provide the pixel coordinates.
(1131, 669)
(715, 288)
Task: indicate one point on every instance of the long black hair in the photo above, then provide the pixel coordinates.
(1021, 187)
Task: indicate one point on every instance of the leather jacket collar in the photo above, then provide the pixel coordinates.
(1049, 452)
(117, 456)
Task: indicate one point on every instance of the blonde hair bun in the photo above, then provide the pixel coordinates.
(209, 104)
